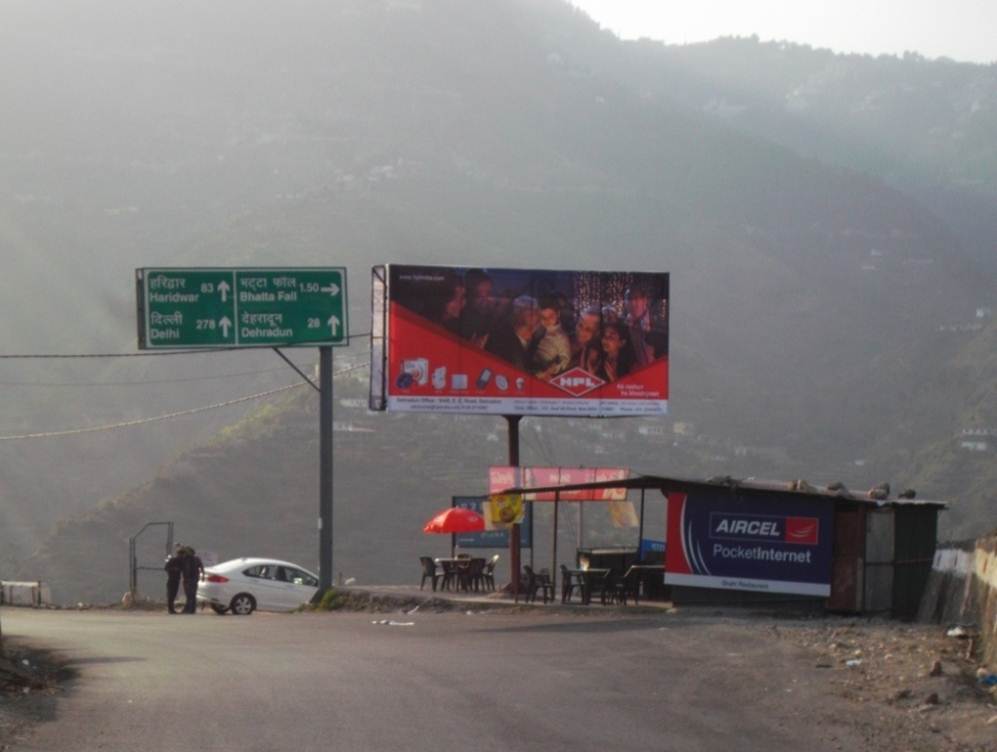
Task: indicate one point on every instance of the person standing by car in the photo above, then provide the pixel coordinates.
(191, 568)
(172, 567)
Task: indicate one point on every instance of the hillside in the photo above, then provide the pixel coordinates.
(923, 126)
(957, 413)
(808, 286)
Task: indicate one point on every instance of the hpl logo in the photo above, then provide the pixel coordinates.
(577, 382)
(754, 527)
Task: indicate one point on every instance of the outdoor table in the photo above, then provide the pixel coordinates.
(588, 577)
(461, 565)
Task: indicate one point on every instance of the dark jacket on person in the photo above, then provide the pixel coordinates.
(191, 568)
(173, 568)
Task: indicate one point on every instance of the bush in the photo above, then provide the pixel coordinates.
(332, 600)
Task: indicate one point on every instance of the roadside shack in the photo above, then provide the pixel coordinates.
(746, 541)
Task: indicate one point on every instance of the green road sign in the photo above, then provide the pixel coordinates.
(287, 307)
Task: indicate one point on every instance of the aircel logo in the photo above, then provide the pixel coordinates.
(577, 382)
(754, 527)
(803, 530)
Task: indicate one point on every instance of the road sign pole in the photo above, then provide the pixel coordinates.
(325, 470)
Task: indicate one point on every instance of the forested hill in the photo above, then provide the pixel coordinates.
(816, 293)
(923, 126)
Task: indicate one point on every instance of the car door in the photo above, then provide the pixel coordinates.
(265, 589)
(285, 591)
(303, 585)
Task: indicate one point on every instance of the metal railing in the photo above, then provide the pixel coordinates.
(134, 567)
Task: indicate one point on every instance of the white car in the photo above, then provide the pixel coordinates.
(244, 585)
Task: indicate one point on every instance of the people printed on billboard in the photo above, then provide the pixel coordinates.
(586, 345)
(513, 337)
(547, 322)
(616, 352)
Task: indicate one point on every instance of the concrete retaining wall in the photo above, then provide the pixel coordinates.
(985, 595)
(962, 589)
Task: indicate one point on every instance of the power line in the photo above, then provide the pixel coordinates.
(160, 353)
(142, 421)
(166, 416)
(139, 382)
(144, 382)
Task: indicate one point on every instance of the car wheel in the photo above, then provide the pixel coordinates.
(220, 610)
(243, 604)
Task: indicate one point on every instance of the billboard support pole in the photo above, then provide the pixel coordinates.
(453, 536)
(532, 547)
(514, 551)
(581, 524)
(325, 473)
(553, 558)
(640, 533)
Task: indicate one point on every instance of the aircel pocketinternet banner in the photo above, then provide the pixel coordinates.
(718, 539)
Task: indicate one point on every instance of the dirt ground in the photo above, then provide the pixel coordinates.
(920, 685)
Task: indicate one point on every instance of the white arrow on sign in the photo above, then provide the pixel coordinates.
(332, 289)
(333, 323)
(223, 288)
(225, 324)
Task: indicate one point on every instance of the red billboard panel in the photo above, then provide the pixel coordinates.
(519, 342)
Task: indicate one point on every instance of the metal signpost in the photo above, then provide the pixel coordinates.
(255, 307)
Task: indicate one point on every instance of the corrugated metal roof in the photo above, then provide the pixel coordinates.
(749, 485)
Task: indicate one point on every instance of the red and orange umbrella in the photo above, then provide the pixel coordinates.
(455, 520)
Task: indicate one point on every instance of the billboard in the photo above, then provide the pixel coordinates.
(717, 539)
(491, 538)
(519, 342)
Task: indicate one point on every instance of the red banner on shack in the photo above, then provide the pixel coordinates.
(503, 477)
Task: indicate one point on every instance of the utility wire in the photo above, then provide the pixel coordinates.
(161, 353)
(167, 416)
(140, 382)
(143, 382)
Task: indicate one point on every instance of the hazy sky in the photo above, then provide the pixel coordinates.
(960, 29)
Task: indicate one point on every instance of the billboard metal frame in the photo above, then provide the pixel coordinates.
(450, 357)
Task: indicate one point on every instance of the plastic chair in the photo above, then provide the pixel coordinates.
(627, 586)
(429, 571)
(476, 574)
(606, 582)
(488, 575)
(546, 584)
(462, 569)
(568, 585)
(538, 582)
(451, 575)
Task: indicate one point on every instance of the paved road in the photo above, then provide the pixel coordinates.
(479, 682)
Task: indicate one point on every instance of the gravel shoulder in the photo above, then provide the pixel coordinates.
(912, 687)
